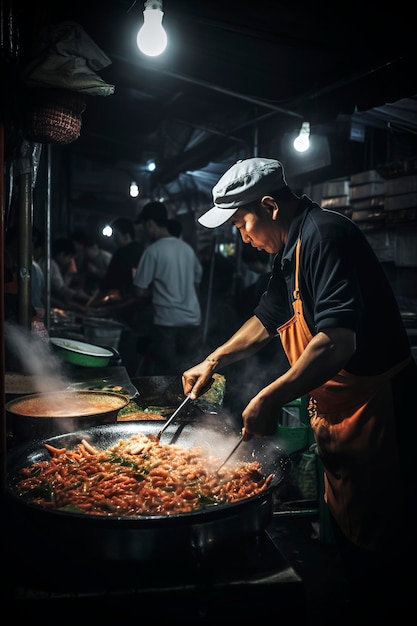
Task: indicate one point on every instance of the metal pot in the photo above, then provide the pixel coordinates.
(149, 537)
(103, 331)
(41, 415)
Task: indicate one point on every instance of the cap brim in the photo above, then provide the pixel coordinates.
(216, 217)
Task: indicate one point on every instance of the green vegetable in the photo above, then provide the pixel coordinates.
(44, 490)
(71, 508)
(204, 501)
(115, 458)
(131, 407)
(213, 398)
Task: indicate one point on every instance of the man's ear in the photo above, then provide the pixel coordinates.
(271, 206)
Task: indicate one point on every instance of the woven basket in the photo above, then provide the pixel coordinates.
(53, 115)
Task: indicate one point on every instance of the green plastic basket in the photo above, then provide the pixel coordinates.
(292, 439)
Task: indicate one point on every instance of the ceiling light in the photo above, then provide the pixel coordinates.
(152, 38)
(134, 189)
(302, 141)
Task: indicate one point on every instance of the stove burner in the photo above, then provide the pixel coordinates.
(247, 580)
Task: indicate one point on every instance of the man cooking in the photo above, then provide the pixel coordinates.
(339, 323)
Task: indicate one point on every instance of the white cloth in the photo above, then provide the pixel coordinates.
(171, 269)
(68, 61)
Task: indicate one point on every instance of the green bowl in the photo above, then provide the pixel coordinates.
(80, 353)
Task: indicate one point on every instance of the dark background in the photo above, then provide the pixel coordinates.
(236, 79)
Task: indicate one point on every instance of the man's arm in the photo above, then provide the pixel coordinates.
(142, 294)
(326, 354)
(250, 338)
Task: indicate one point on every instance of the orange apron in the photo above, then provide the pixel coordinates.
(353, 424)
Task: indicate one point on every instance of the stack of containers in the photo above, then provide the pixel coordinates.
(336, 196)
(401, 198)
(294, 430)
(295, 436)
(367, 197)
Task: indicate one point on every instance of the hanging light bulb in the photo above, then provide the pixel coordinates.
(134, 189)
(107, 231)
(152, 38)
(302, 141)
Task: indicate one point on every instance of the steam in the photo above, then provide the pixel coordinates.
(35, 357)
(217, 436)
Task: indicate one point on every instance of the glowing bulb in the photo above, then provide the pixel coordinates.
(152, 38)
(134, 190)
(302, 142)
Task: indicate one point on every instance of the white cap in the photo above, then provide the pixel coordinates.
(243, 183)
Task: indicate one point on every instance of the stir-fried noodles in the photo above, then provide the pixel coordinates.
(135, 477)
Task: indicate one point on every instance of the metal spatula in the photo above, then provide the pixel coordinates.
(173, 416)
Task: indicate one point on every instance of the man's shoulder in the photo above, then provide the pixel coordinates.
(166, 245)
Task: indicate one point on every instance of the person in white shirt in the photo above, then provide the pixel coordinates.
(169, 272)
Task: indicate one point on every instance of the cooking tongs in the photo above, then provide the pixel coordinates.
(230, 454)
(173, 416)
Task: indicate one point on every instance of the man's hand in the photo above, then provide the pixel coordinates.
(198, 379)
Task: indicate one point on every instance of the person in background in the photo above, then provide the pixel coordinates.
(169, 272)
(331, 305)
(118, 279)
(62, 273)
(94, 264)
(38, 244)
(78, 238)
(115, 297)
(174, 227)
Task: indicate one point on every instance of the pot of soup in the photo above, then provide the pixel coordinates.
(40, 415)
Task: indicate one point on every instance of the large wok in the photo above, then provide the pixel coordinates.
(148, 538)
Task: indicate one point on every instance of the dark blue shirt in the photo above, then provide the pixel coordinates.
(342, 284)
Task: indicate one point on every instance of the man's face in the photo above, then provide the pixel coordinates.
(64, 260)
(257, 226)
(150, 230)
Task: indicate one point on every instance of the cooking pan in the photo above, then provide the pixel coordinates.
(147, 538)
